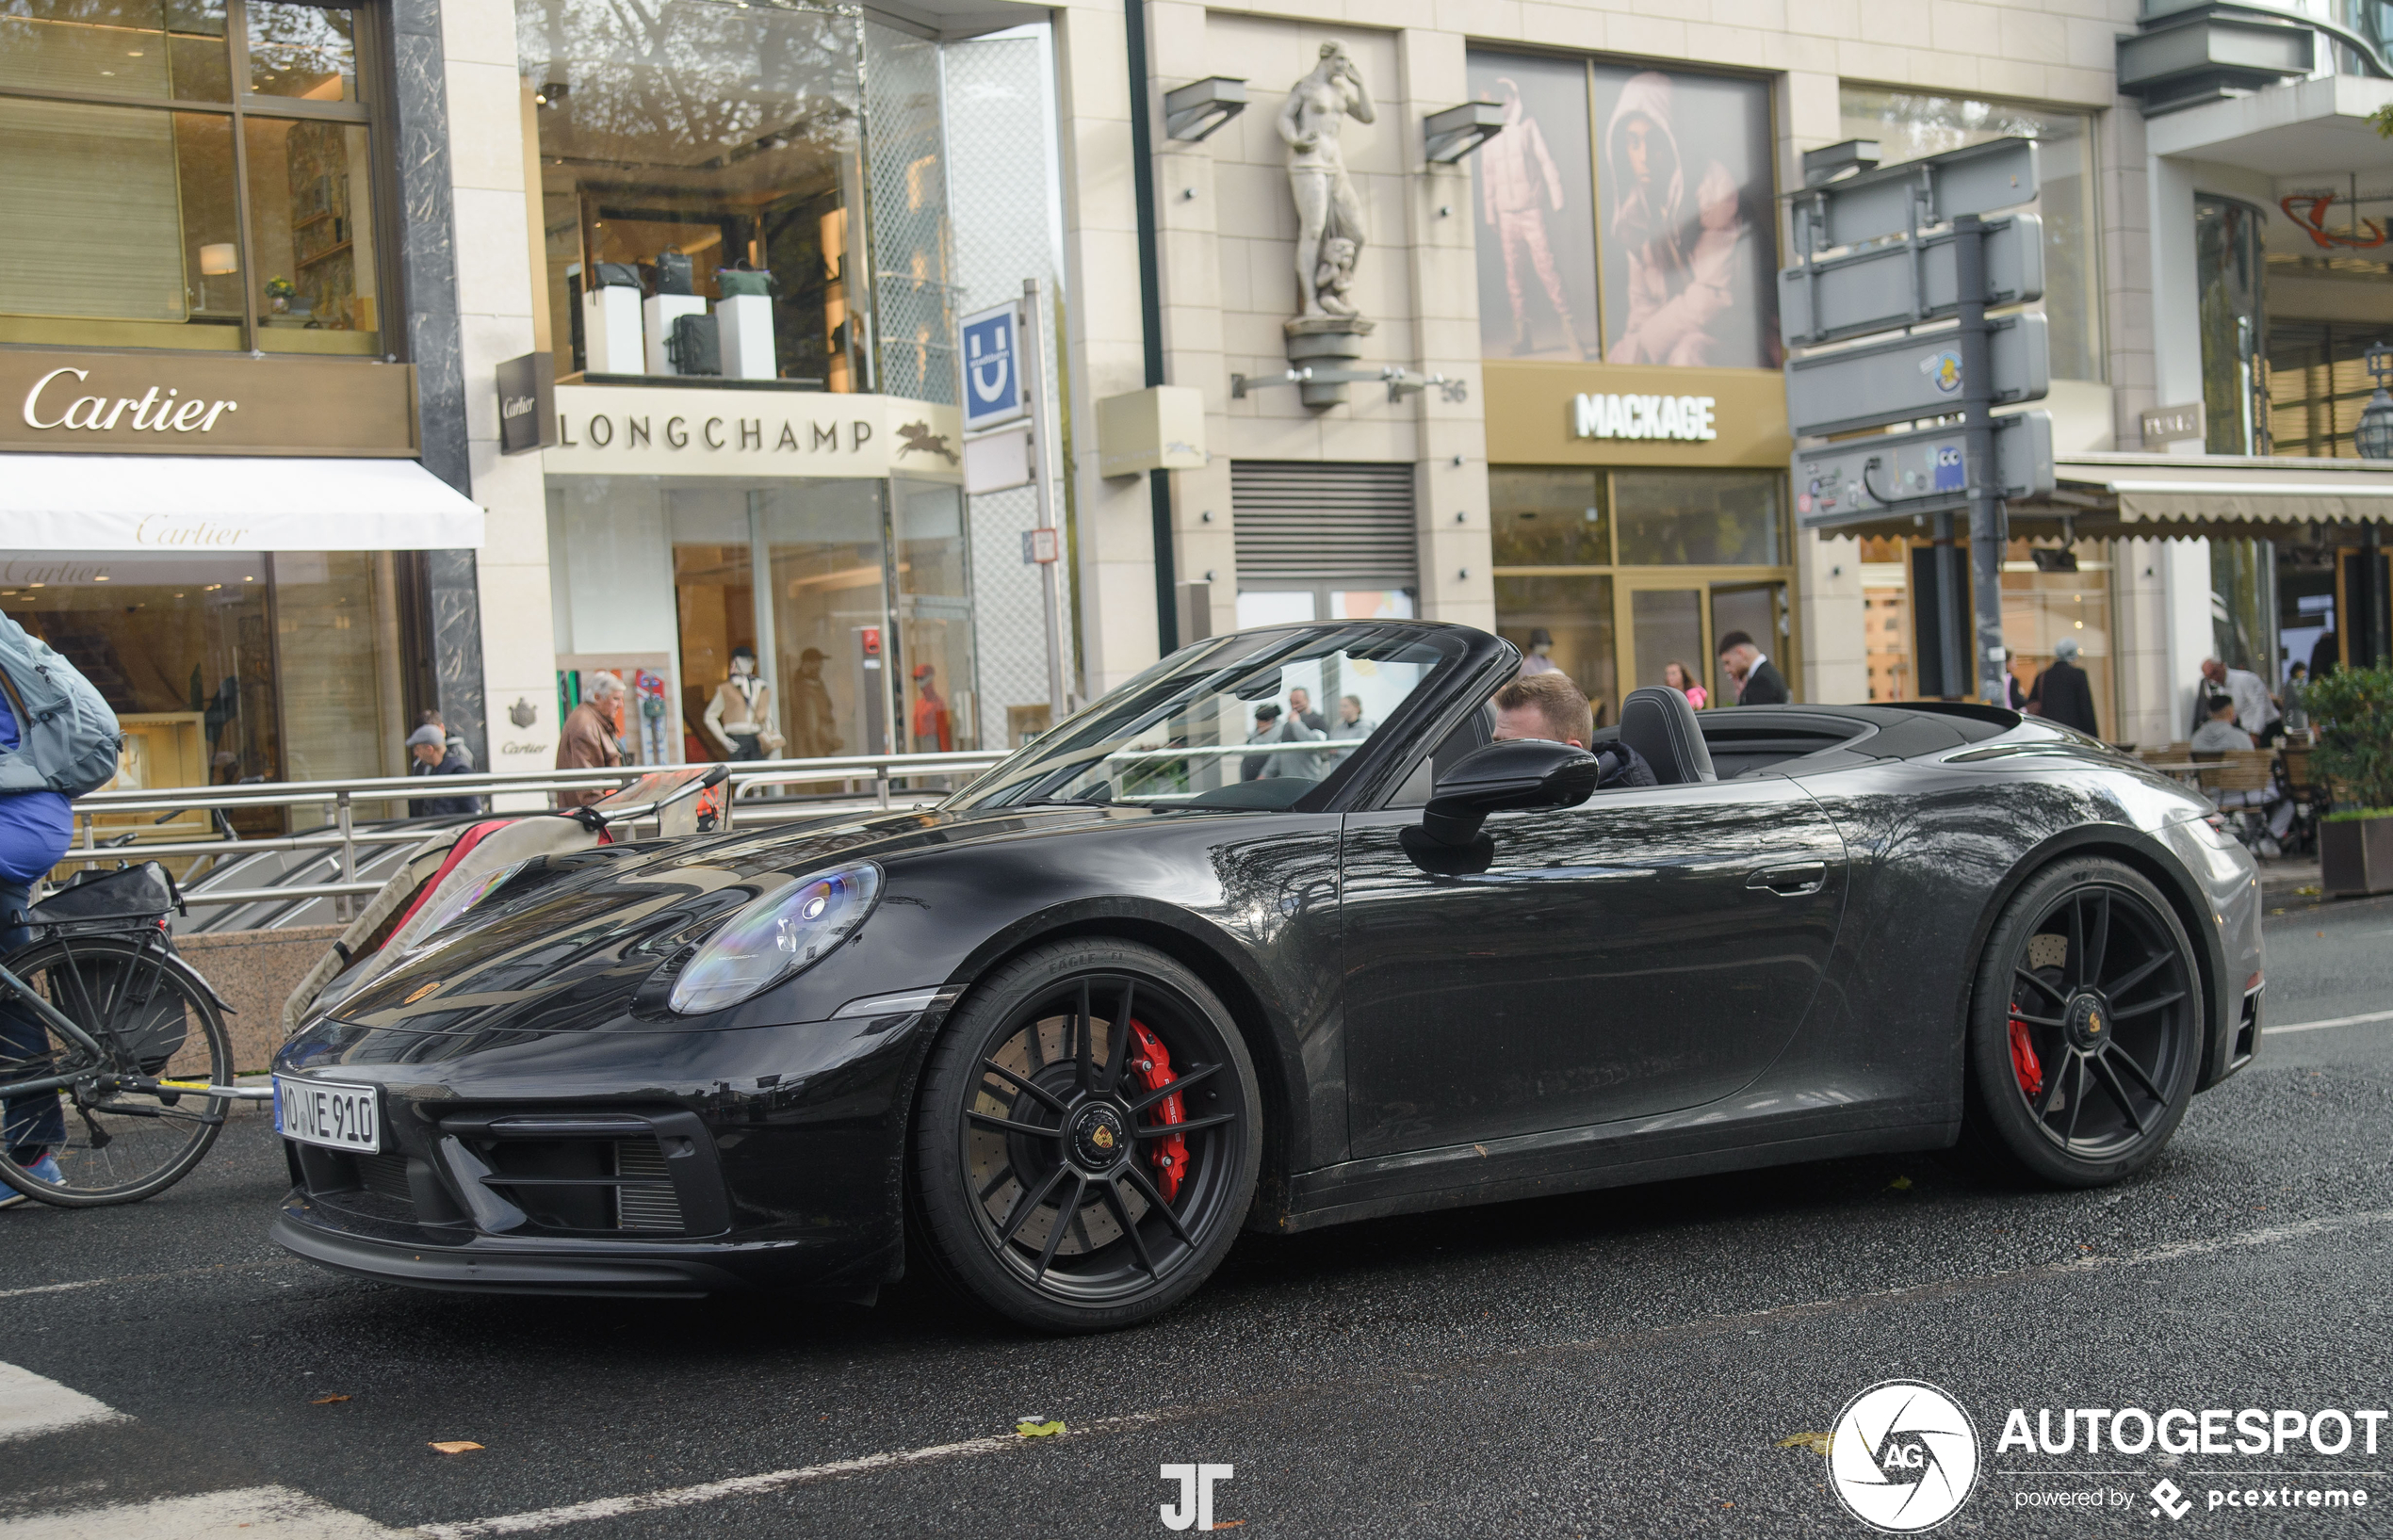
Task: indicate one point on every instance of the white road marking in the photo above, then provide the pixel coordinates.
(50, 1289)
(737, 1486)
(2331, 1021)
(252, 1512)
(743, 1486)
(31, 1405)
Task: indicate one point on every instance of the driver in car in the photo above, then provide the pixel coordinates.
(1549, 706)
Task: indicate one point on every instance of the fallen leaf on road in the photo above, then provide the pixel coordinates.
(455, 1446)
(1227, 1523)
(1032, 1428)
(326, 1401)
(1900, 1184)
(1817, 1442)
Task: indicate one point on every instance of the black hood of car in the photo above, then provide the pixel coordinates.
(592, 941)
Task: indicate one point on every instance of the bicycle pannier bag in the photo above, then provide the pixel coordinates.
(67, 736)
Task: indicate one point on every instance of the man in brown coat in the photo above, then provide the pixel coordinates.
(588, 739)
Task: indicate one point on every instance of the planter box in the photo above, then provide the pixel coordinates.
(2355, 856)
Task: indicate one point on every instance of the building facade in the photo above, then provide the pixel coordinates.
(440, 354)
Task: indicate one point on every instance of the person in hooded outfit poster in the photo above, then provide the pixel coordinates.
(1679, 250)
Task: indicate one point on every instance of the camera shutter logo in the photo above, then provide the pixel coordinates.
(1905, 1457)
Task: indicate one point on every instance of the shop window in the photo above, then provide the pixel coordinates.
(1909, 125)
(709, 139)
(674, 577)
(229, 669)
(1625, 214)
(935, 618)
(1625, 571)
(1698, 518)
(2048, 593)
(2230, 274)
(2318, 384)
(133, 227)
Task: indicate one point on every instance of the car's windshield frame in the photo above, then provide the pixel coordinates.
(1103, 730)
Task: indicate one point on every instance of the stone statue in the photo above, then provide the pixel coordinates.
(1330, 231)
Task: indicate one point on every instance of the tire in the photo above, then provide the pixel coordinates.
(2088, 1026)
(121, 1147)
(1012, 1117)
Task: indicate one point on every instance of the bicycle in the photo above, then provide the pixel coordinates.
(138, 1057)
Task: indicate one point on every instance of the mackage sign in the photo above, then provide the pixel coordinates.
(1632, 416)
(167, 404)
(669, 430)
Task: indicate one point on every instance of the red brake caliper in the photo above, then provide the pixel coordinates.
(1154, 1067)
(2023, 1061)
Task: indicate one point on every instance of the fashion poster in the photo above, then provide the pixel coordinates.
(1685, 199)
(1532, 189)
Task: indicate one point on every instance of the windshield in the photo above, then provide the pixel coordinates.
(1254, 719)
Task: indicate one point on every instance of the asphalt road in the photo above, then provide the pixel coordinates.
(1625, 1363)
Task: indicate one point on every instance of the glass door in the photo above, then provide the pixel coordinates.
(1667, 625)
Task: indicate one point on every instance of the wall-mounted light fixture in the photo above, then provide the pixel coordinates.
(1836, 159)
(1456, 132)
(1197, 109)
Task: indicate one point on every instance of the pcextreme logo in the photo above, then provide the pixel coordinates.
(1903, 1457)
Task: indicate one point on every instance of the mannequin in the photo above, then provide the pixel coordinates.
(740, 715)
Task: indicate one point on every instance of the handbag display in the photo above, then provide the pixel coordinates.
(694, 346)
(735, 283)
(617, 275)
(674, 274)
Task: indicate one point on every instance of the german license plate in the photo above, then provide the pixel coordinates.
(339, 1117)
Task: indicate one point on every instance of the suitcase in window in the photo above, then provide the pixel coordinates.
(694, 346)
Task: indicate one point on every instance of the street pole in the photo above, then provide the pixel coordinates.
(1030, 339)
(1988, 534)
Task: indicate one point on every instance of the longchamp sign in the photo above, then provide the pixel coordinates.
(177, 404)
(675, 430)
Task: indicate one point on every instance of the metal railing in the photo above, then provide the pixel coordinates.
(532, 792)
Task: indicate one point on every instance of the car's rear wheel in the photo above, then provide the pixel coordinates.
(1087, 1137)
(2086, 1027)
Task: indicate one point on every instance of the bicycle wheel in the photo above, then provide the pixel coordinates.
(112, 1144)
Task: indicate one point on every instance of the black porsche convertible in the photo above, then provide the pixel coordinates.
(1191, 964)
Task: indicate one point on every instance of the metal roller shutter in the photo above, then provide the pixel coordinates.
(1306, 521)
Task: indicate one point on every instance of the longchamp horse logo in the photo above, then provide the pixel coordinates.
(917, 438)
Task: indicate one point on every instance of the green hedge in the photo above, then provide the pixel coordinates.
(2352, 713)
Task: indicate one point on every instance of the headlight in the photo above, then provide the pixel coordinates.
(779, 934)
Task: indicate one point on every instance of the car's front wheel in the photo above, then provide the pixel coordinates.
(1087, 1137)
(2087, 1028)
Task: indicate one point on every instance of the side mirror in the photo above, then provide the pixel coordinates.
(1515, 773)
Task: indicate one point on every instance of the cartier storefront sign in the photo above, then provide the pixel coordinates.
(180, 404)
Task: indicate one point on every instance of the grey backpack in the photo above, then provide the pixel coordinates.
(67, 738)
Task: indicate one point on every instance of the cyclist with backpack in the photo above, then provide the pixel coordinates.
(58, 739)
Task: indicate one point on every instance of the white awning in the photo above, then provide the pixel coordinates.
(209, 503)
(2238, 495)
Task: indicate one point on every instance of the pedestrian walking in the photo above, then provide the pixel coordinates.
(588, 741)
(1682, 678)
(2063, 693)
(428, 753)
(1758, 681)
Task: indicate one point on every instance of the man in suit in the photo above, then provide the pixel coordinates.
(2063, 693)
(1758, 681)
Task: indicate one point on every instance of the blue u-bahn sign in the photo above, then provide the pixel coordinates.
(992, 368)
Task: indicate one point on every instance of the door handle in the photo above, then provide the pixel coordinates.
(1798, 881)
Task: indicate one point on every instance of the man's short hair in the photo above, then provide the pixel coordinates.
(1558, 703)
(1732, 642)
(2213, 704)
(1268, 711)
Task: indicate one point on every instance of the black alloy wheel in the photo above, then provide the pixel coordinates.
(1087, 1138)
(2088, 1028)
